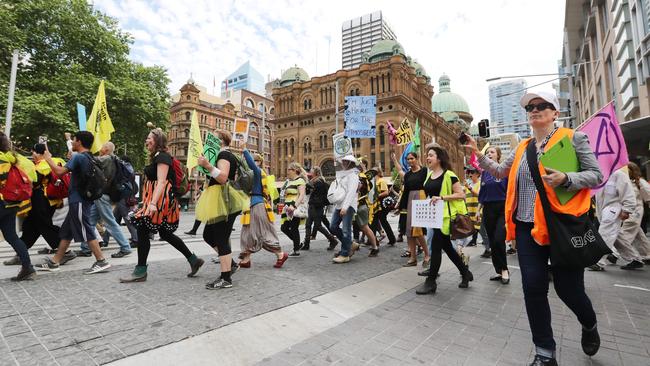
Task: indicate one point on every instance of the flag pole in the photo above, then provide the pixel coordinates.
(12, 89)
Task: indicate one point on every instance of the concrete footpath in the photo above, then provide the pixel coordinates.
(311, 312)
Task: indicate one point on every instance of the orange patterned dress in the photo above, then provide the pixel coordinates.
(168, 214)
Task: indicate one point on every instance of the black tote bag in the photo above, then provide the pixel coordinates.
(575, 242)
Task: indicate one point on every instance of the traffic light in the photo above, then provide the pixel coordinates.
(484, 128)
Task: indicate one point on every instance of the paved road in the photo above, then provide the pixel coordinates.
(309, 313)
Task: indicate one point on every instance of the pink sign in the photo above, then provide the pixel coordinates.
(606, 141)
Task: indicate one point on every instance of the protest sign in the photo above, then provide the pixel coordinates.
(240, 135)
(360, 116)
(342, 146)
(426, 214)
(211, 149)
(404, 133)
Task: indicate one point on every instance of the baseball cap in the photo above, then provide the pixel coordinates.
(550, 97)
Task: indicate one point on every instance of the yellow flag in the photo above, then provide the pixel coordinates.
(99, 123)
(484, 149)
(196, 144)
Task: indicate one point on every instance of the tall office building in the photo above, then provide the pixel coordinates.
(505, 112)
(245, 77)
(360, 34)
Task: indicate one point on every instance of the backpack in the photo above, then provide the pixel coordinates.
(244, 178)
(17, 187)
(57, 188)
(182, 179)
(122, 185)
(93, 181)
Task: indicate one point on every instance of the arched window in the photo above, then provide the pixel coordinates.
(253, 126)
(305, 104)
(188, 98)
(187, 133)
(261, 107)
(382, 138)
(272, 110)
(249, 103)
(286, 152)
(309, 104)
(304, 148)
(188, 116)
(292, 148)
(356, 92)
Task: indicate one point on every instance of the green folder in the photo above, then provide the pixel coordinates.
(562, 157)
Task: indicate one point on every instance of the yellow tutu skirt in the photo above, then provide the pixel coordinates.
(218, 202)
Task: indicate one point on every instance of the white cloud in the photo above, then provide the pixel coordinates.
(469, 40)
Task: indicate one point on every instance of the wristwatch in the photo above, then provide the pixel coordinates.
(567, 184)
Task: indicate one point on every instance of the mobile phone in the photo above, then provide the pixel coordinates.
(463, 138)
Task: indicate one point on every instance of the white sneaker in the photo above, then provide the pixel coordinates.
(99, 266)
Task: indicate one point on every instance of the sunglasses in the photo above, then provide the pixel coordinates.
(540, 107)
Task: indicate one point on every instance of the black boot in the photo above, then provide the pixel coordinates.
(428, 287)
(590, 341)
(467, 277)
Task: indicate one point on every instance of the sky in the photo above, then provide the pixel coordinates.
(469, 40)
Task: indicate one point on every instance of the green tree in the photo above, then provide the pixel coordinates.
(66, 47)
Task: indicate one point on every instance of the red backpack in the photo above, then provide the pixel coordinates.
(17, 187)
(181, 178)
(57, 188)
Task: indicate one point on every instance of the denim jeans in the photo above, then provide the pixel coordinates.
(569, 286)
(343, 233)
(103, 209)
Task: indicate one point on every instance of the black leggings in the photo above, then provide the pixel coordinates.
(494, 217)
(441, 242)
(290, 229)
(217, 235)
(144, 244)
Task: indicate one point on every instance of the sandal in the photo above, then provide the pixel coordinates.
(410, 264)
(406, 254)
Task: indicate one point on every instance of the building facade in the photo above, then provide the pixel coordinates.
(360, 34)
(245, 77)
(507, 142)
(215, 114)
(305, 118)
(606, 56)
(505, 112)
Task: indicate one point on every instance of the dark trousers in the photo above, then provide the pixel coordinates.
(440, 242)
(494, 219)
(39, 222)
(121, 211)
(315, 216)
(144, 244)
(380, 220)
(290, 229)
(569, 286)
(196, 225)
(8, 228)
(402, 223)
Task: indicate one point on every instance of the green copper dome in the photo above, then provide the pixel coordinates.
(446, 101)
(292, 75)
(384, 49)
(419, 69)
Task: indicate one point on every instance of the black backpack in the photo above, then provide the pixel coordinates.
(93, 181)
(122, 185)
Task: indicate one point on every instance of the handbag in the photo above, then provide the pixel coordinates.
(301, 211)
(461, 225)
(575, 242)
(335, 193)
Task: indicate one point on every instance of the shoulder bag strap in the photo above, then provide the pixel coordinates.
(531, 157)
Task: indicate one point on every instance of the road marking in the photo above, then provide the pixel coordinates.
(632, 287)
(509, 266)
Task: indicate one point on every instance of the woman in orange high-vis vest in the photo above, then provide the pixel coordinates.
(526, 224)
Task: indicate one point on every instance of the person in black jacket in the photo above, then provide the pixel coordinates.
(317, 191)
